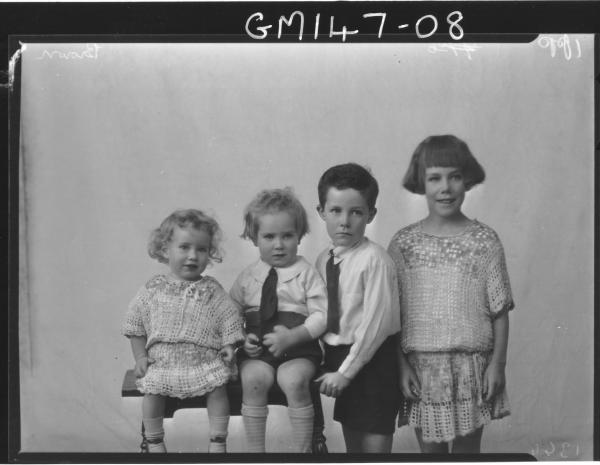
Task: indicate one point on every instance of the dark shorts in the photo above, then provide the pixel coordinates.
(310, 350)
(371, 402)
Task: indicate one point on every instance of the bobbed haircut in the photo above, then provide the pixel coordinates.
(349, 176)
(274, 201)
(188, 218)
(443, 151)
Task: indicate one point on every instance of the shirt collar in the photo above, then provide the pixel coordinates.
(341, 252)
(261, 270)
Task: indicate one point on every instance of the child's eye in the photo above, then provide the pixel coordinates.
(268, 236)
(335, 210)
(357, 212)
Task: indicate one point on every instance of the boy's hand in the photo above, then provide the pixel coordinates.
(227, 353)
(409, 382)
(493, 380)
(252, 346)
(279, 340)
(141, 366)
(332, 384)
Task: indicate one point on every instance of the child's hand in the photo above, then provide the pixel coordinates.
(252, 346)
(278, 341)
(227, 353)
(493, 380)
(409, 382)
(141, 366)
(332, 384)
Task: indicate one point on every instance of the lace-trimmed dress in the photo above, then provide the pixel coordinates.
(451, 289)
(186, 323)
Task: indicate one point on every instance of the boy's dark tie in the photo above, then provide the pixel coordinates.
(332, 272)
(268, 298)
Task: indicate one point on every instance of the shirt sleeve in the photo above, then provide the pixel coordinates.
(381, 315)
(497, 282)
(396, 255)
(237, 293)
(316, 303)
(133, 325)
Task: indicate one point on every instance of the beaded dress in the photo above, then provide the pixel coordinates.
(186, 323)
(451, 289)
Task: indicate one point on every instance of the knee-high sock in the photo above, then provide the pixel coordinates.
(218, 433)
(302, 420)
(153, 429)
(255, 424)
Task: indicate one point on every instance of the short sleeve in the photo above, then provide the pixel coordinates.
(237, 292)
(230, 321)
(395, 253)
(133, 325)
(498, 284)
(316, 303)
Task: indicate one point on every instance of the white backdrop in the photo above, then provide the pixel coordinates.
(114, 140)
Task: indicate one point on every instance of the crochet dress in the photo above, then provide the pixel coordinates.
(186, 323)
(451, 289)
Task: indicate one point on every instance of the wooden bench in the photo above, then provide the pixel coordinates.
(234, 391)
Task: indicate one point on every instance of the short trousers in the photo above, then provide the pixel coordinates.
(310, 350)
(371, 402)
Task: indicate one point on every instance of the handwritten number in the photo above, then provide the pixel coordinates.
(435, 25)
(454, 26)
(382, 15)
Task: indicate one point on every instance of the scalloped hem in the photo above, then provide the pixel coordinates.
(198, 393)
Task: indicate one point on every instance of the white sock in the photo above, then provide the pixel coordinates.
(302, 420)
(255, 424)
(154, 432)
(218, 433)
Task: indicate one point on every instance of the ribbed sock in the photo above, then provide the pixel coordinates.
(302, 420)
(154, 432)
(255, 424)
(218, 433)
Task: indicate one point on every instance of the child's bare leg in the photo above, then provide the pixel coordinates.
(430, 447)
(217, 406)
(360, 441)
(257, 378)
(294, 377)
(153, 410)
(468, 444)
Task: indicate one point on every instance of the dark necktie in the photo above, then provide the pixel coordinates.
(268, 298)
(332, 272)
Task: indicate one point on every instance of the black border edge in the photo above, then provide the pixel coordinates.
(12, 162)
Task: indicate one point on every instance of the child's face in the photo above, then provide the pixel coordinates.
(445, 191)
(346, 215)
(187, 253)
(277, 239)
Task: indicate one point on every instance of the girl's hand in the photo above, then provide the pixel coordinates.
(409, 382)
(252, 346)
(493, 380)
(332, 384)
(227, 353)
(141, 366)
(279, 340)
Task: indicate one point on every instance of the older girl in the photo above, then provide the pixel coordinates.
(455, 298)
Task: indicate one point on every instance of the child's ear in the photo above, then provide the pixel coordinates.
(372, 214)
(321, 212)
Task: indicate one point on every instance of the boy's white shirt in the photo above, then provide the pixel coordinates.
(300, 289)
(368, 298)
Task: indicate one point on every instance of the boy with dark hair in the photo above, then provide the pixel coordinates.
(363, 313)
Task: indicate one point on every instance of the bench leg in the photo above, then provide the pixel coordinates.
(318, 443)
(144, 443)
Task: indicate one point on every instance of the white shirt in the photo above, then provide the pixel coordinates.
(368, 301)
(300, 289)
